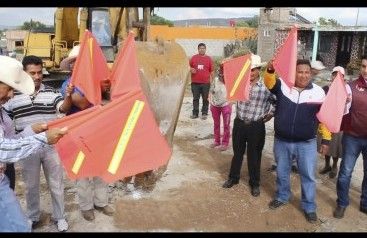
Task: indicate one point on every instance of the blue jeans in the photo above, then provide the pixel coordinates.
(305, 153)
(12, 217)
(352, 148)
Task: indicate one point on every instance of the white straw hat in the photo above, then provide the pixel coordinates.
(13, 75)
(318, 65)
(256, 61)
(65, 63)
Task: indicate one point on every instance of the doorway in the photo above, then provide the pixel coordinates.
(344, 50)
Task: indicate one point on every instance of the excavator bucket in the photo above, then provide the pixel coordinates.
(164, 72)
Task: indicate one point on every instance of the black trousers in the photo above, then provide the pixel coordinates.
(10, 173)
(202, 89)
(252, 137)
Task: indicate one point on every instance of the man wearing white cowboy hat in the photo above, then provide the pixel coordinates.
(249, 129)
(44, 105)
(16, 147)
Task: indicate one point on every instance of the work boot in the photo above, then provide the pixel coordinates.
(255, 191)
(294, 169)
(275, 204)
(339, 212)
(311, 217)
(88, 214)
(107, 210)
(229, 183)
(325, 170)
(204, 117)
(272, 168)
(194, 116)
(333, 172)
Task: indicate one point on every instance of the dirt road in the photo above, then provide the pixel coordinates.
(189, 196)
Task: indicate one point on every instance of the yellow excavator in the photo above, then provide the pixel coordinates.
(163, 65)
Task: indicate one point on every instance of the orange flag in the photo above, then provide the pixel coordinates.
(68, 150)
(131, 144)
(332, 109)
(285, 59)
(90, 69)
(237, 78)
(124, 73)
(117, 140)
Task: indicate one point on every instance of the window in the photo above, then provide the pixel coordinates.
(18, 43)
(266, 33)
(101, 27)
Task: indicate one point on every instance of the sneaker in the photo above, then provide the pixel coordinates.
(88, 215)
(223, 147)
(213, 145)
(204, 117)
(194, 116)
(275, 204)
(62, 225)
(107, 210)
(36, 224)
(311, 217)
(339, 212)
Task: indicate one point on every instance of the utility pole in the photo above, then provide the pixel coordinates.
(357, 16)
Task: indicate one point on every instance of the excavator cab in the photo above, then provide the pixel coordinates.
(99, 25)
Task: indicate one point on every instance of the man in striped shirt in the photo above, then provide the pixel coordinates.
(249, 129)
(12, 77)
(44, 105)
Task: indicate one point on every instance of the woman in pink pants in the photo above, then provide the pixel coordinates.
(220, 106)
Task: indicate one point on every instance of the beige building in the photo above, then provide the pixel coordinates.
(15, 39)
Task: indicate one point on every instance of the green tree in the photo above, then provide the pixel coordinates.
(34, 25)
(242, 23)
(253, 22)
(157, 20)
(328, 22)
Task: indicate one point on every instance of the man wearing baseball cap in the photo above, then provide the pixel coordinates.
(335, 146)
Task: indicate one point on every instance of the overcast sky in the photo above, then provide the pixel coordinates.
(345, 16)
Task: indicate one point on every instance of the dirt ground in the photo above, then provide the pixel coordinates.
(189, 196)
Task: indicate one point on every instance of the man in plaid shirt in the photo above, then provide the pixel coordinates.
(249, 129)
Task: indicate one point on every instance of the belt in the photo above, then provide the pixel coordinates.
(248, 122)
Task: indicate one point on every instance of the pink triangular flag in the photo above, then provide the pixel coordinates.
(332, 109)
(237, 78)
(286, 58)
